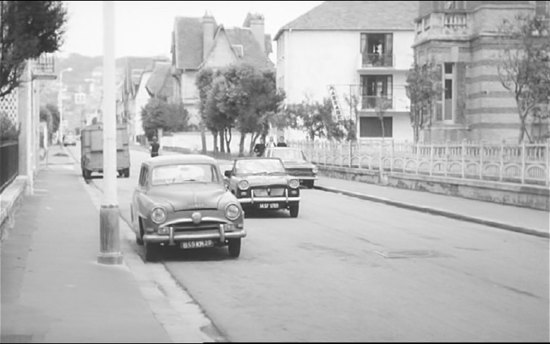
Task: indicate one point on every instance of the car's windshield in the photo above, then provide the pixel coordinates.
(185, 173)
(288, 154)
(259, 166)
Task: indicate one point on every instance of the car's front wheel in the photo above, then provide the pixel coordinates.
(151, 252)
(294, 209)
(234, 247)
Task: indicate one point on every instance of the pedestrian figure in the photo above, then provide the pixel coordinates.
(155, 146)
(281, 142)
(259, 148)
(271, 142)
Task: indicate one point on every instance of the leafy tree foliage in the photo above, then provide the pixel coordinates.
(27, 29)
(317, 121)
(240, 97)
(524, 68)
(423, 87)
(160, 114)
(9, 131)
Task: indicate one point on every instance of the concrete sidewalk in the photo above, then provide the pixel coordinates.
(52, 288)
(518, 219)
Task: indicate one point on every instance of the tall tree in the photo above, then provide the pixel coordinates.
(27, 29)
(159, 114)
(524, 67)
(50, 114)
(423, 87)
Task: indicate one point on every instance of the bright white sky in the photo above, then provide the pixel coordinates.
(143, 28)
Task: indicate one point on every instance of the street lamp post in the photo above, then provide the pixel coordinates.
(109, 212)
(60, 104)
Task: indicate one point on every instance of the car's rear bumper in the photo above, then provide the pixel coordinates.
(176, 237)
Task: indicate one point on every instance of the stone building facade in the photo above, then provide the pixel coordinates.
(462, 37)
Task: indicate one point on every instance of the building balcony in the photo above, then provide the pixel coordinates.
(43, 67)
(376, 60)
(456, 25)
(376, 103)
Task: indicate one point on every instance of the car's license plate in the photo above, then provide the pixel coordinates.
(269, 205)
(197, 244)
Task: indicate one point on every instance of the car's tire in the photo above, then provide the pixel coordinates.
(126, 172)
(86, 174)
(294, 210)
(139, 233)
(234, 247)
(151, 252)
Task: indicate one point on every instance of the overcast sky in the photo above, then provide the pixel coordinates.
(143, 28)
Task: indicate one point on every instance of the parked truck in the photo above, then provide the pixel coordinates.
(91, 147)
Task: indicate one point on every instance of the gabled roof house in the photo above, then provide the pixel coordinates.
(201, 42)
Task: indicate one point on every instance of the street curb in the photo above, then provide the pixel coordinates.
(10, 200)
(435, 211)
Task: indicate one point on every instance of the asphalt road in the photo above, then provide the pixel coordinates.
(352, 270)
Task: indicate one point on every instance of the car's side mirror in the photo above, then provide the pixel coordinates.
(227, 173)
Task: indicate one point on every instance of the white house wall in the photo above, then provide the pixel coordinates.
(314, 59)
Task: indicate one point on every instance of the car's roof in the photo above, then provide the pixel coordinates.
(256, 158)
(180, 159)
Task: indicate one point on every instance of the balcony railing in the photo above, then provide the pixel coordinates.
(377, 60)
(455, 21)
(376, 102)
(43, 67)
(9, 163)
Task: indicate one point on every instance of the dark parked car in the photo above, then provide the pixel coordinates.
(295, 163)
(264, 184)
(182, 200)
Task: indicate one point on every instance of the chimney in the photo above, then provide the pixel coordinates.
(256, 24)
(208, 30)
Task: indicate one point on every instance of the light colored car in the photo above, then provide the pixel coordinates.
(263, 184)
(69, 140)
(181, 200)
(295, 163)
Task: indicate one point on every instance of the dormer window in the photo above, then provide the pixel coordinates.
(238, 49)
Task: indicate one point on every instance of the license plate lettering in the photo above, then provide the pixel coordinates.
(196, 244)
(269, 205)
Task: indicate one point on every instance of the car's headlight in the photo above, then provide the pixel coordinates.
(232, 212)
(315, 169)
(158, 215)
(243, 185)
(294, 183)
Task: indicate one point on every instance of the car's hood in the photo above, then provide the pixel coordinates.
(297, 164)
(266, 180)
(189, 196)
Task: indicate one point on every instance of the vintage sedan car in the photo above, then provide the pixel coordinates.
(295, 163)
(69, 140)
(182, 200)
(263, 184)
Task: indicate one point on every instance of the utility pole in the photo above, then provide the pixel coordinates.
(109, 212)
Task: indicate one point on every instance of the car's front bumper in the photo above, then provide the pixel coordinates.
(283, 199)
(219, 235)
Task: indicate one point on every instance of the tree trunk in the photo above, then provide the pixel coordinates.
(203, 138)
(228, 137)
(215, 141)
(254, 137)
(241, 144)
(222, 141)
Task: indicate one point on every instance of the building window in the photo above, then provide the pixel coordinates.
(449, 82)
(372, 127)
(376, 89)
(376, 49)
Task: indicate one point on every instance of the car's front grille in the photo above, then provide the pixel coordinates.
(190, 226)
(299, 172)
(268, 192)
